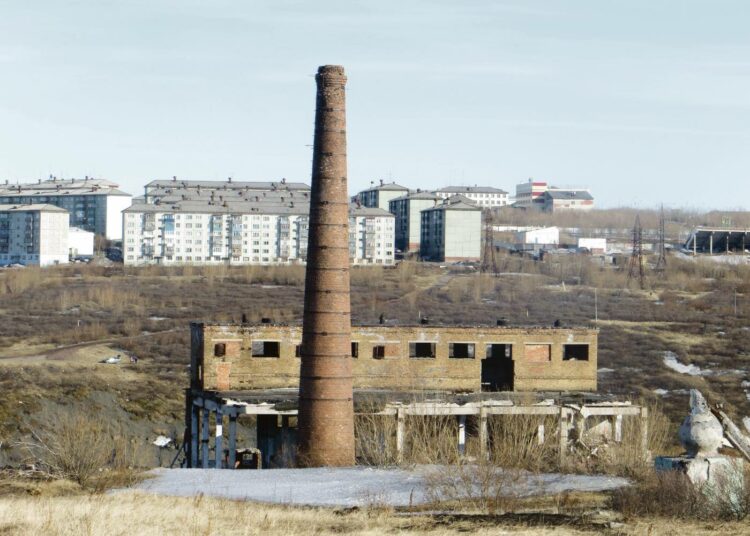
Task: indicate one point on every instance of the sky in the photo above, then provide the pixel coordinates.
(642, 101)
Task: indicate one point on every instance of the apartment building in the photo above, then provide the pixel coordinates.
(407, 210)
(93, 205)
(380, 196)
(240, 224)
(451, 231)
(35, 235)
(483, 196)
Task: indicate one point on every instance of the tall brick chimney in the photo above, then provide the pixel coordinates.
(326, 408)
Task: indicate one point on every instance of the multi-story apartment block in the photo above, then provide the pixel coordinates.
(483, 196)
(240, 224)
(408, 212)
(165, 188)
(379, 196)
(452, 231)
(94, 205)
(33, 235)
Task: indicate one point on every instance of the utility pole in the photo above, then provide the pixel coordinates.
(635, 267)
(661, 263)
(489, 261)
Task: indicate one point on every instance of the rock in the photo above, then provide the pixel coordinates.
(701, 432)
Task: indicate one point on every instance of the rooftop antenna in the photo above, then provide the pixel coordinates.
(661, 263)
(635, 268)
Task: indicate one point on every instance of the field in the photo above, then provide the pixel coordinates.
(60, 323)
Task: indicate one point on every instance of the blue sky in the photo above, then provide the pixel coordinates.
(643, 101)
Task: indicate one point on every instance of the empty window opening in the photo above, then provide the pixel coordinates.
(266, 348)
(421, 349)
(220, 349)
(575, 352)
(499, 351)
(461, 350)
(355, 349)
(538, 352)
(378, 352)
(297, 350)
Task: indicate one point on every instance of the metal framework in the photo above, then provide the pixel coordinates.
(489, 261)
(635, 267)
(661, 263)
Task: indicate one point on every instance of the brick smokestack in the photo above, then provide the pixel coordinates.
(326, 408)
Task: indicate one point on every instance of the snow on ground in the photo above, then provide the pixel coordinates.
(670, 361)
(348, 486)
(661, 392)
(605, 370)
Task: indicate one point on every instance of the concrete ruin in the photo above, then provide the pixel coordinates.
(242, 357)
(326, 407)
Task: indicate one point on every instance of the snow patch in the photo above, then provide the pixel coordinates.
(670, 361)
(347, 486)
(661, 392)
(605, 370)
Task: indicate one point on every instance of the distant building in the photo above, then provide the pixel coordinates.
(204, 222)
(407, 210)
(529, 194)
(555, 199)
(94, 205)
(35, 235)
(80, 243)
(594, 245)
(545, 236)
(483, 196)
(451, 231)
(379, 196)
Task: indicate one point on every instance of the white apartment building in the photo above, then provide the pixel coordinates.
(451, 231)
(380, 196)
(483, 196)
(240, 225)
(35, 235)
(407, 210)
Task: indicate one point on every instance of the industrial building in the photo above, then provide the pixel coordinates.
(718, 241)
(410, 358)
(529, 194)
(33, 235)
(556, 199)
(380, 196)
(224, 222)
(451, 231)
(80, 243)
(483, 196)
(93, 205)
(408, 212)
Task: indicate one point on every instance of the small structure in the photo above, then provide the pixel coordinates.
(80, 243)
(594, 245)
(702, 434)
(544, 236)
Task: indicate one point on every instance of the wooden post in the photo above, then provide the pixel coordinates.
(483, 435)
(462, 435)
(232, 440)
(218, 450)
(400, 425)
(204, 439)
(644, 433)
(563, 434)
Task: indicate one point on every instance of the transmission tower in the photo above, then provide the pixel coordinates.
(489, 262)
(661, 263)
(635, 268)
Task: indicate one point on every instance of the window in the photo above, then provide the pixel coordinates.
(422, 349)
(499, 351)
(355, 349)
(265, 349)
(378, 351)
(220, 349)
(461, 350)
(297, 350)
(575, 352)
